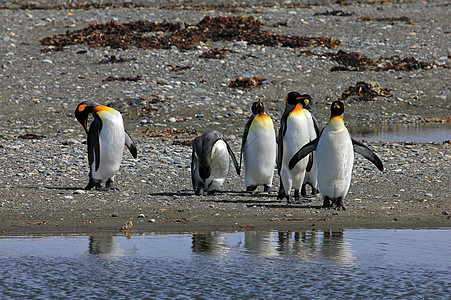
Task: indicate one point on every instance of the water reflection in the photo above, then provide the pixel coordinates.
(104, 244)
(308, 245)
(411, 264)
(211, 243)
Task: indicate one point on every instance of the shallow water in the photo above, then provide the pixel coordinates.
(416, 133)
(402, 264)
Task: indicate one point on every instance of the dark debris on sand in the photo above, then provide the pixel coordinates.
(216, 53)
(246, 83)
(365, 91)
(164, 35)
(353, 61)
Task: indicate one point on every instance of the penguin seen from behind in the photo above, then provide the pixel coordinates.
(210, 163)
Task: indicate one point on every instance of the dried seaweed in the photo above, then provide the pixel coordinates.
(31, 136)
(354, 61)
(246, 83)
(181, 35)
(114, 60)
(168, 132)
(76, 5)
(117, 78)
(217, 53)
(179, 69)
(365, 91)
(390, 20)
(338, 13)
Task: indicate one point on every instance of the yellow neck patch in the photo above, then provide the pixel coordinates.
(336, 123)
(101, 108)
(263, 120)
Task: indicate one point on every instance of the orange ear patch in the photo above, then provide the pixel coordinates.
(82, 107)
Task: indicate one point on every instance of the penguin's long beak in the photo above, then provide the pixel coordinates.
(81, 114)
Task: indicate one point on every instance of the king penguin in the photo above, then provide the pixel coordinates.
(335, 158)
(258, 149)
(106, 140)
(311, 172)
(293, 134)
(210, 163)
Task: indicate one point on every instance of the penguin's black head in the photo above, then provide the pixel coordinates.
(306, 100)
(294, 98)
(258, 108)
(337, 108)
(82, 112)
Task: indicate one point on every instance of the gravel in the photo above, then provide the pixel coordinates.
(42, 178)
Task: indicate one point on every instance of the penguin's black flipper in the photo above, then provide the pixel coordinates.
(235, 163)
(194, 163)
(315, 124)
(310, 163)
(368, 154)
(93, 143)
(130, 145)
(202, 152)
(303, 152)
(245, 133)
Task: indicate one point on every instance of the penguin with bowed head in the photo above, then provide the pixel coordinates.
(335, 158)
(210, 162)
(106, 140)
(293, 135)
(258, 149)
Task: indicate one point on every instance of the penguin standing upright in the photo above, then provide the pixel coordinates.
(258, 149)
(335, 158)
(106, 140)
(311, 172)
(293, 134)
(210, 162)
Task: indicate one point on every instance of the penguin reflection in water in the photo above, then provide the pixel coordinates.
(106, 140)
(335, 158)
(258, 149)
(210, 163)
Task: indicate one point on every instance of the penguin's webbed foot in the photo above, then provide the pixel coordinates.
(281, 194)
(326, 203)
(339, 204)
(93, 183)
(266, 188)
(199, 191)
(251, 188)
(303, 192)
(109, 185)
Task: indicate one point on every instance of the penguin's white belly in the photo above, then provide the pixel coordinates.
(259, 156)
(335, 159)
(296, 136)
(112, 141)
(219, 166)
